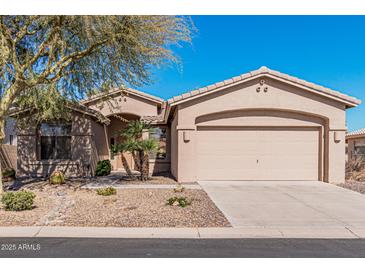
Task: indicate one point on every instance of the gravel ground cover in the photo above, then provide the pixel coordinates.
(68, 205)
(159, 180)
(144, 208)
(120, 178)
(354, 185)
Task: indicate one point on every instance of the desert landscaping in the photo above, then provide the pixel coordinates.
(71, 204)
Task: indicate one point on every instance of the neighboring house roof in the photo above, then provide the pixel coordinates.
(76, 107)
(264, 71)
(357, 133)
(126, 91)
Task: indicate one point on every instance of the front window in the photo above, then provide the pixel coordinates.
(55, 141)
(159, 134)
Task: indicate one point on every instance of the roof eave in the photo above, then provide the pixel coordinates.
(98, 116)
(136, 93)
(353, 102)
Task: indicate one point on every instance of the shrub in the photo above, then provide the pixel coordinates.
(103, 168)
(57, 178)
(179, 201)
(16, 201)
(9, 173)
(355, 169)
(107, 191)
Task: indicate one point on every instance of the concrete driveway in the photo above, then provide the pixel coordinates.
(315, 205)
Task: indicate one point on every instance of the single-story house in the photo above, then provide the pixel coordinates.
(356, 144)
(262, 125)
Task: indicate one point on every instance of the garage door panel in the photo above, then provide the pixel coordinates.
(258, 154)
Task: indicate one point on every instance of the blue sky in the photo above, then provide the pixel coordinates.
(327, 50)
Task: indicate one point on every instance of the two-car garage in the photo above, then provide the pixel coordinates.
(259, 126)
(258, 153)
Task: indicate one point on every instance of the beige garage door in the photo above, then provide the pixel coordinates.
(257, 154)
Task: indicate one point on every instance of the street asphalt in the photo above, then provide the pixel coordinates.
(180, 248)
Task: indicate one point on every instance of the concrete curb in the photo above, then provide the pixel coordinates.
(186, 233)
(146, 186)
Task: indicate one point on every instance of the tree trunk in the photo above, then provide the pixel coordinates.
(126, 166)
(146, 166)
(136, 160)
(140, 156)
(5, 103)
(1, 173)
(2, 137)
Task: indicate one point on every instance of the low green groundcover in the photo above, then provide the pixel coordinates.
(107, 191)
(180, 201)
(18, 200)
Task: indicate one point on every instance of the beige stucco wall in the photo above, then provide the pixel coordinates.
(174, 146)
(280, 97)
(100, 139)
(82, 153)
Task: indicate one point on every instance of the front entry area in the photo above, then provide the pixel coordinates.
(258, 153)
(118, 122)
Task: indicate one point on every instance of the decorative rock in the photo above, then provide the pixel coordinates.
(179, 188)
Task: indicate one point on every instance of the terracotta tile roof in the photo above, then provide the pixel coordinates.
(73, 106)
(153, 119)
(358, 132)
(265, 71)
(123, 90)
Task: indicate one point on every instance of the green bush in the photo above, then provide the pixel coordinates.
(9, 172)
(107, 191)
(103, 168)
(16, 201)
(180, 201)
(57, 178)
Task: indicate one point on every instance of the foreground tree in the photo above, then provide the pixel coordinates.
(48, 61)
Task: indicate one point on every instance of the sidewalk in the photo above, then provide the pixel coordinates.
(186, 233)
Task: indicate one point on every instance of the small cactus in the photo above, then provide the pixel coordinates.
(57, 178)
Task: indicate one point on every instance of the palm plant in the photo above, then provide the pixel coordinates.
(135, 129)
(146, 146)
(139, 148)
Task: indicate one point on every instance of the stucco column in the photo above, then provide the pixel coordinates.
(187, 164)
(337, 155)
